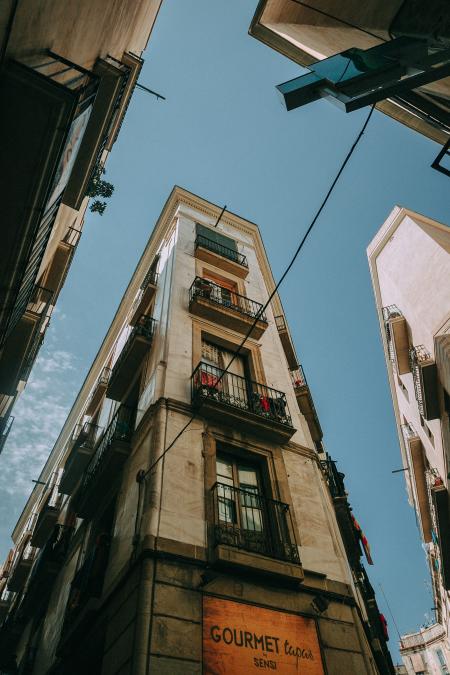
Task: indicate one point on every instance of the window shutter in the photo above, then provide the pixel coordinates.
(217, 237)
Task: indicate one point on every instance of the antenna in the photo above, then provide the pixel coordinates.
(220, 216)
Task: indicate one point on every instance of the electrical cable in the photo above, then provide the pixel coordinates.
(275, 290)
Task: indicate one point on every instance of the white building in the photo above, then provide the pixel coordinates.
(409, 261)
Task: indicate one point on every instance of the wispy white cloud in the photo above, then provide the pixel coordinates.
(39, 414)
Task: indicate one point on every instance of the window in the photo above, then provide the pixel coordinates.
(233, 384)
(216, 237)
(441, 660)
(403, 388)
(240, 501)
(240, 492)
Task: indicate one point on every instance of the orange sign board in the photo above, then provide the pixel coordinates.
(241, 639)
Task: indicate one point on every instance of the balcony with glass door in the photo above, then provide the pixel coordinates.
(234, 400)
(306, 403)
(226, 307)
(247, 523)
(220, 251)
(397, 338)
(104, 470)
(131, 357)
(425, 380)
(81, 449)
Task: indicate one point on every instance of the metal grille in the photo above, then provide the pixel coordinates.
(298, 378)
(390, 312)
(145, 327)
(239, 392)
(334, 478)
(120, 429)
(220, 249)
(418, 356)
(203, 288)
(245, 519)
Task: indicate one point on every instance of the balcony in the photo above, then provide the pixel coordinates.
(85, 592)
(5, 427)
(58, 267)
(397, 338)
(131, 357)
(227, 308)
(418, 477)
(335, 481)
(49, 103)
(425, 382)
(104, 469)
(306, 403)
(81, 451)
(99, 391)
(221, 256)
(21, 347)
(146, 295)
(49, 562)
(441, 504)
(21, 568)
(6, 598)
(240, 403)
(46, 520)
(252, 531)
(286, 342)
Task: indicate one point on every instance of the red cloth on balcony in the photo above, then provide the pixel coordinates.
(264, 402)
(208, 380)
(363, 539)
(384, 626)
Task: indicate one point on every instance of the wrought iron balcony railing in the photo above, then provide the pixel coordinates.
(145, 327)
(5, 427)
(88, 580)
(247, 520)
(86, 434)
(212, 383)
(419, 356)
(150, 278)
(72, 237)
(334, 478)
(220, 249)
(280, 322)
(298, 378)
(390, 312)
(120, 429)
(203, 288)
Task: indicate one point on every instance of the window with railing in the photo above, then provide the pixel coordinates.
(120, 429)
(225, 297)
(246, 519)
(419, 356)
(145, 327)
(334, 478)
(221, 249)
(298, 378)
(215, 384)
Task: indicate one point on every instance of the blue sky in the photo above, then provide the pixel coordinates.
(224, 134)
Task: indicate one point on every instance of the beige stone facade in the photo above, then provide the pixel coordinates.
(68, 71)
(410, 265)
(146, 551)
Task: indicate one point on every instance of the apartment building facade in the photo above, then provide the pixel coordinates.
(394, 54)
(67, 73)
(187, 519)
(427, 651)
(409, 261)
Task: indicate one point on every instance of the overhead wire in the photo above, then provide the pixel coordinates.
(275, 290)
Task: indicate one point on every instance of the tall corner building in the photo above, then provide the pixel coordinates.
(409, 261)
(224, 546)
(67, 73)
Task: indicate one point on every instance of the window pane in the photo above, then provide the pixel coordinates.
(224, 469)
(247, 476)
